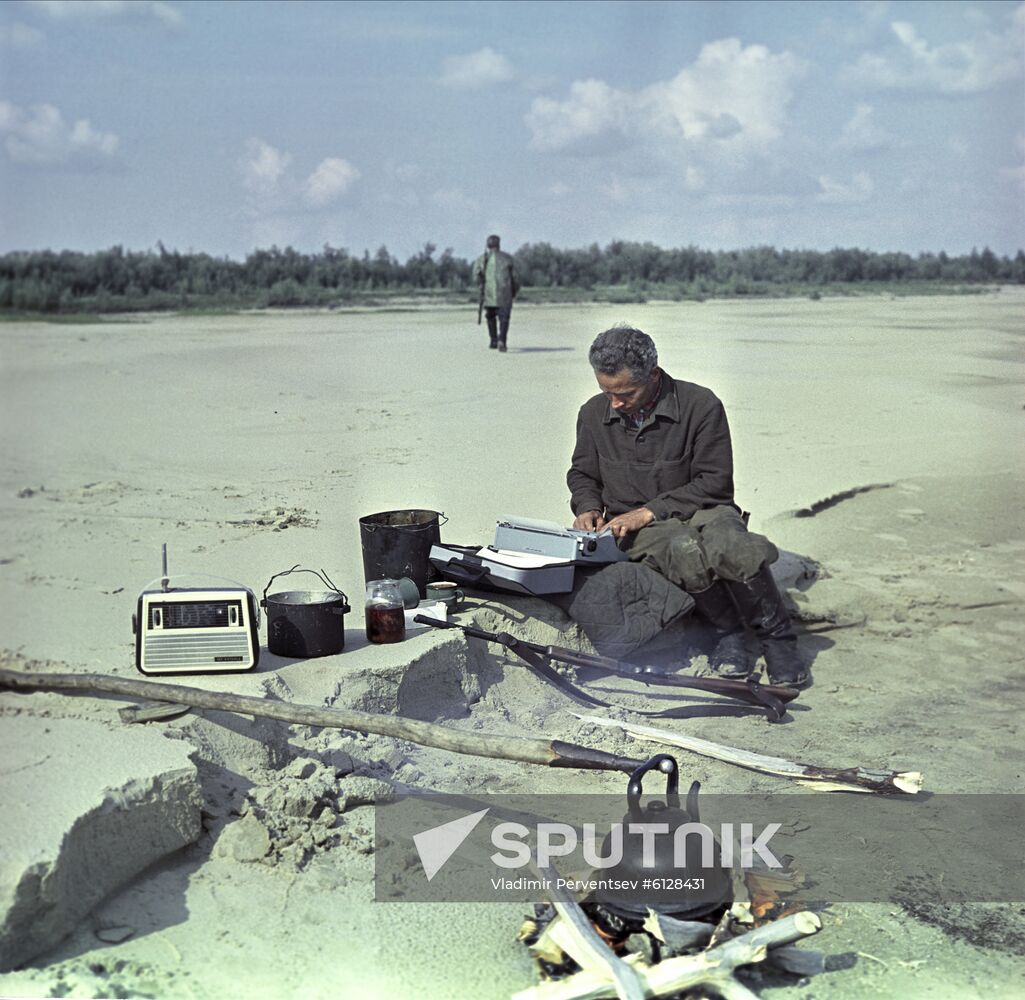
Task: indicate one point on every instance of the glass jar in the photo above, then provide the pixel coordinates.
(384, 611)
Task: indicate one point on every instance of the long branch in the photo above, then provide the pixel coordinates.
(819, 777)
(548, 753)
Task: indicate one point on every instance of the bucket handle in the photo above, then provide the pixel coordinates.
(297, 568)
(371, 528)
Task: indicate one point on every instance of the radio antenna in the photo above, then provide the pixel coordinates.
(165, 579)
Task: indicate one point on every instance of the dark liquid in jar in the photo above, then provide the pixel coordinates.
(385, 624)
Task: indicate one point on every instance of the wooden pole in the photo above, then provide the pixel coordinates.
(547, 753)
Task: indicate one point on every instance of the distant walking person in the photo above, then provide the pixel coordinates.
(495, 273)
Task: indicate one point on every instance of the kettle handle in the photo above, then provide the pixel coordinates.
(665, 763)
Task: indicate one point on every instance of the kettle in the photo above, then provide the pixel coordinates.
(683, 888)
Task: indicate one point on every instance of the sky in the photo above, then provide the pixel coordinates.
(223, 127)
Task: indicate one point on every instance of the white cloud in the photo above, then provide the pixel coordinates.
(477, 69)
(332, 178)
(40, 135)
(730, 93)
(593, 108)
(112, 10)
(263, 166)
(281, 208)
(834, 192)
(976, 64)
(19, 36)
(860, 132)
(732, 98)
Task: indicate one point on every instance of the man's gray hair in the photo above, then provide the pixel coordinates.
(624, 347)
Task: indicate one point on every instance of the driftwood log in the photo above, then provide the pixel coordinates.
(547, 753)
(713, 968)
(814, 776)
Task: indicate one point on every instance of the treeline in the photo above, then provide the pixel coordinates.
(118, 280)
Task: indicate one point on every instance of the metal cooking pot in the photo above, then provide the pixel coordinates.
(305, 623)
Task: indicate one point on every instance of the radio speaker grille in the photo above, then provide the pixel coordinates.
(217, 651)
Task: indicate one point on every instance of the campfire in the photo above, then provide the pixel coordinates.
(670, 940)
(579, 955)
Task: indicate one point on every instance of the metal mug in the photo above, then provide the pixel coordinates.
(448, 593)
(408, 590)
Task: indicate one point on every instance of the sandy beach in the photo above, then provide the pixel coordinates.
(252, 443)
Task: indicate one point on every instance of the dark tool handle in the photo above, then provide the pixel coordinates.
(532, 654)
(726, 686)
(767, 696)
(775, 706)
(720, 685)
(474, 633)
(579, 659)
(587, 758)
(502, 638)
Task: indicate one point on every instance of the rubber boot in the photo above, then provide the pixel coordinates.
(763, 610)
(730, 656)
(503, 333)
(493, 331)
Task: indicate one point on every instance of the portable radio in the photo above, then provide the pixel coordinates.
(209, 626)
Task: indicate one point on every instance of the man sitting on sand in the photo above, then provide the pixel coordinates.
(653, 463)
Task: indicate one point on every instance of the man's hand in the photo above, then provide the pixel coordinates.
(633, 520)
(590, 520)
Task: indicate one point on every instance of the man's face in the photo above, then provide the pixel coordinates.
(624, 394)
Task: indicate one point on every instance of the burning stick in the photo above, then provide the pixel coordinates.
(822, 779)
(713, 968)
(588, 950)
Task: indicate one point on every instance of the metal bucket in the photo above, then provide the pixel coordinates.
(305, 623)
(397, 543)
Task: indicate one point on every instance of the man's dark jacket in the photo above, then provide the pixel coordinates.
(679, 461)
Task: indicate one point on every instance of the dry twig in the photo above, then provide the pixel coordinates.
(814, 776)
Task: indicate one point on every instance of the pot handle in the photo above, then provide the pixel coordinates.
(665, 763)
(297, 568)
